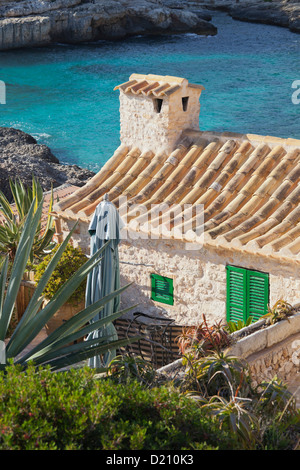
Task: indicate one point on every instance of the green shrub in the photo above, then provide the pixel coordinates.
(71, 260)
(74, 410)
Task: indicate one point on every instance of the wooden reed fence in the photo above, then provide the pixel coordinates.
(158, 343)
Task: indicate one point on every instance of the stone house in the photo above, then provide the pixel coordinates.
(212, 219)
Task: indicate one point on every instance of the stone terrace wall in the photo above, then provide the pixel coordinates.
(280, 360)
(271, 351)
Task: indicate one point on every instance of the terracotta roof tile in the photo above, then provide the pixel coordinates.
(249, 186)
(155, 85)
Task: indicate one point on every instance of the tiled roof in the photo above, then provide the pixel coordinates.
(155, 85)
(249, 186)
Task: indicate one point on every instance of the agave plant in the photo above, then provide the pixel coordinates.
(58, 349)
(218, 373)
(124, 368)
(14, 219)
(281, 310)
(235, 413)
(274, 397)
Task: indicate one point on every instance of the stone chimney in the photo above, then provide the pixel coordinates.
(155, 110)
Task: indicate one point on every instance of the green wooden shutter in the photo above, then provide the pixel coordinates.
(257, 293)
(236, 294)
(162, 289)
(247, 294)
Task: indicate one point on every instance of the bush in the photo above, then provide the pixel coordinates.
(71, 260)
(72, 410)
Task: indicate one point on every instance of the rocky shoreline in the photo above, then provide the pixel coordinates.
(21, 157)
(285, 13)
(43, 22)
(30, 23)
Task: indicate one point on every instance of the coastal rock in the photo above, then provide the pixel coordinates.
(42, 22)
(21, 157)
(286, 14)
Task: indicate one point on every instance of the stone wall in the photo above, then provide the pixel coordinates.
(199, 276)
(143, 127)
(281, 361)
(271, 351)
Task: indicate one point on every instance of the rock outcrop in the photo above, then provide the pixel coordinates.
(280, 13)
(42, 22)
(21, 157)
(284, 13)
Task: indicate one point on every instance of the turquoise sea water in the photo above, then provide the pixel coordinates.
(63, 95)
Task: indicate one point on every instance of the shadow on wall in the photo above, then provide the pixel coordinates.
(140, 295)
(158, 331)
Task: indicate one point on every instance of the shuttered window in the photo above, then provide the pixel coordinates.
(236, 294)
(162, 289)
(247, 294)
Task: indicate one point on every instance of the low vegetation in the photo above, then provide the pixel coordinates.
(133, 408)
(73, 410)
(264, 417)
(282, 310)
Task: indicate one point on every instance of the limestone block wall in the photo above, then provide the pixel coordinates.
(140, 124)
(270, 351)
(143, 127)
(199, 276)
(181, 120)
(80, 236)
(281, 361)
